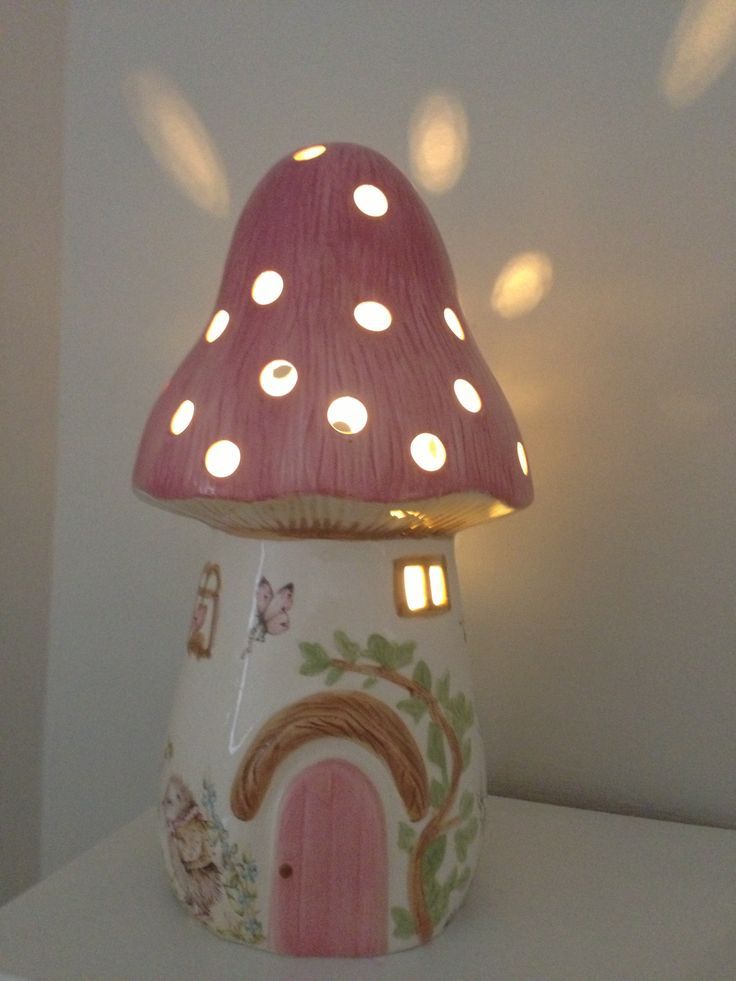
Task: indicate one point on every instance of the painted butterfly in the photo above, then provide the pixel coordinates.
(272, 609)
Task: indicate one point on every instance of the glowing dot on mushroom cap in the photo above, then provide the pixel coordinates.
(372, 315)
(453, 322)
(370, 200)
(182, 417)
(217, 325)
(222, 458)
(278, 378)
(428, 451)
(309, 152)
(467, 395)
(267, 287)
(347, 415)
(523, 462)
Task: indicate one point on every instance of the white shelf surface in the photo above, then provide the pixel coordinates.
(561, 894)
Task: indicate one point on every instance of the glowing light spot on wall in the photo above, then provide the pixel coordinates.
(370, 200)
(267, 287)
(182, 417)
(437, 585)
(699, 50)
(415, 588)
(428, 451)
(222, 458)
(178, 139)
(347, 415)
(523, 462)
(522, 283)
(309, 152)
(278, 378)
(217, 325)
(453, 322)
(438, 142)
(372, 315)
(466, 395)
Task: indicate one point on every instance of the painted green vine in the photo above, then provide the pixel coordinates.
(450, 718)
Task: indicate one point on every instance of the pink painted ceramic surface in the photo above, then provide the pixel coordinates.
(330, 895)
(302, 222)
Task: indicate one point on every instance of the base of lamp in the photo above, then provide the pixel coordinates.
(323, 784)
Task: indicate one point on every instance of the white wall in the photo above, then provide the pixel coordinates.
(31, 125)
(601, 620)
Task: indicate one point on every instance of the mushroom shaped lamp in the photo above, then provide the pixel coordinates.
(324, 781)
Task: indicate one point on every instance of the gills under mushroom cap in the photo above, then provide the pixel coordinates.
(336, 390)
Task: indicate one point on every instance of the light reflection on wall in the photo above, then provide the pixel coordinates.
(699, 50)
(522, 283)
(438, 142)
(178, 139)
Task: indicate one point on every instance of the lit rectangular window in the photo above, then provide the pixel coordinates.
(415, 587)
(420, 585)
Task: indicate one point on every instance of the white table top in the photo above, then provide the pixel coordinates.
(561, 894)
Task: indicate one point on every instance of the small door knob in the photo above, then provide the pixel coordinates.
(286, 871)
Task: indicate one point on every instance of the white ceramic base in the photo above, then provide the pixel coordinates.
(324, 780)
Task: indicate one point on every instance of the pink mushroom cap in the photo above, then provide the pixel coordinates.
(295, 472)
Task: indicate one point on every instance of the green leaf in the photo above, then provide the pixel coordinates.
(467, 750)
(464, 837)
(334, 675)
(464, 879)
(466, 805)
(422, 675)
(437, 905)
(407, 836)
(370, 682)
(403, 922)
(433, 858)
(436, 746)
(437, 793)
(379, 650)
(348, 649)
(403, 654)
(414, 707)
(443, 690)
(316, 658)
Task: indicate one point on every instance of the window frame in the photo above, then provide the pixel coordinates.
(425, 561)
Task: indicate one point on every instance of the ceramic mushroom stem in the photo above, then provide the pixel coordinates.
(324, 779)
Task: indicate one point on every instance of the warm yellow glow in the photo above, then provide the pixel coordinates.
(178, 139)
(415, 587)
(217, 325)
(278, 378)
(222, 458)
(310, 152)
(452, 321)
(182, 417)
(499, 510)
(437, 585)
(522, 283)
(466, 395)
(370, 200)
(699, 50)
(372, 315)
(267, 287)
(428, 451)
(523, 462)
(398, 513)
(438, 142)
(347, 415)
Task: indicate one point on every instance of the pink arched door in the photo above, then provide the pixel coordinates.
(330, 895)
